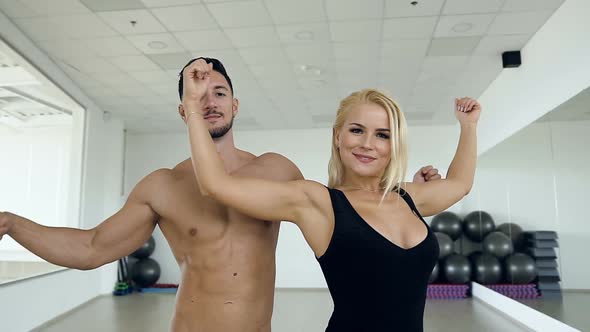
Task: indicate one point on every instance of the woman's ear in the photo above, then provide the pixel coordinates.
(181, 112)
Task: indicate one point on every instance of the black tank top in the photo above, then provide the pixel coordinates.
(376, 285)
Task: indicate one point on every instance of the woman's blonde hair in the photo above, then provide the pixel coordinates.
(395, 172)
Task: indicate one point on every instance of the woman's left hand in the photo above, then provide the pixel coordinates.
(467, 110)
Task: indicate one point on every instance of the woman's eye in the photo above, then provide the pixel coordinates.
(381, 135)
(356, 130)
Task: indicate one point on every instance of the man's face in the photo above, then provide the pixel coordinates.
(219, 106)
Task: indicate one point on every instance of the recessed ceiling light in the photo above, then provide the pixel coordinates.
(157, 45)
(304, 35)
(462, 27)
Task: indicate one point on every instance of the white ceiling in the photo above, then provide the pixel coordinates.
(424, 55)
(575, 109)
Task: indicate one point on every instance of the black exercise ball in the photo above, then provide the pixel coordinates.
(448, 223)
(146, 249)
(145, 272)
(515, 234)
(520, 269)
(457, 269)
(487, 269)
(445, 244)
(497, 244)
(434, 274)
(478, 224)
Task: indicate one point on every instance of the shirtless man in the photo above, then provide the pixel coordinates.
(227, 260)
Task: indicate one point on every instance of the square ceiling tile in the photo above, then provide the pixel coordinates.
(161, 43)
(66, 48)
(356, 30)
(366, 52)
(518, 22)
(463, 25)
(110, 5)
(174, 61)
(154, 76)
(530, 5)
(304, 33)
(185, 18)
(203, 40)
(396, 8)
(91, 65)
(168, 3)
(264, 55)
(453, 46)
(300, 11)
(354, 9)
(253, 37)
(310, 54)
(240, 14)
(130, 63)
(112, 46)
(409, 28)
(405, 49)
(454, 7)
(65, 27)
(56, 7)
(122, 21)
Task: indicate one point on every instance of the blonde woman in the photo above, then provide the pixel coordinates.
(365, 227)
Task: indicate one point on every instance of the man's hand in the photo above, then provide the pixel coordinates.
(5, 224)
(426, 174)
(195, 80)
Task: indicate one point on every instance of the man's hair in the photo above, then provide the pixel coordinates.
(217, 66)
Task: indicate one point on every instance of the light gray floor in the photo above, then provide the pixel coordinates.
(573, 309)
(295, 310)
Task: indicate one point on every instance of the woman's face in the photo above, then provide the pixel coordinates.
(364, 141)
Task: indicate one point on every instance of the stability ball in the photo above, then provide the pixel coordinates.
(448, 223)
(445, 244)
(457, 269)
(477, 225)
(520, 269)
(497, 244)
(434, 274)
(146, 249)
(145, 272)
(515, 234)
(486, 269)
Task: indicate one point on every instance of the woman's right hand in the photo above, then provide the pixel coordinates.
(467, 110)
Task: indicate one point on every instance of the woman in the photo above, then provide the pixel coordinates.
(365, 228)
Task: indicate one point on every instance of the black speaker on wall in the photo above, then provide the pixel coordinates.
(511, 59)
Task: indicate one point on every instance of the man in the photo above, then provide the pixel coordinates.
(227, 260)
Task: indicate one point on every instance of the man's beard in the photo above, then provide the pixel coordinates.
(220, 132)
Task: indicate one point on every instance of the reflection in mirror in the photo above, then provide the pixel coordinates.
(41, 146)
(536, 181)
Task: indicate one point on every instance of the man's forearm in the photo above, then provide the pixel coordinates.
(62, 246)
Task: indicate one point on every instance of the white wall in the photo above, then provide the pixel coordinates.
(555, 67)
(537, 179)
(35, 177)
(309, 150)
(47, 296)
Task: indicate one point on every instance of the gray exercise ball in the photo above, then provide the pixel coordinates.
(487, 269)
(478, 224)
(457, 269)
(445, 244)
(497, 244)
(448, 223)
(520, 269)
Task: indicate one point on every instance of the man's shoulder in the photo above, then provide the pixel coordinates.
(280, 164)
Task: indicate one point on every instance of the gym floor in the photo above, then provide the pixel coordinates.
(572, 309)
(295, 310)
